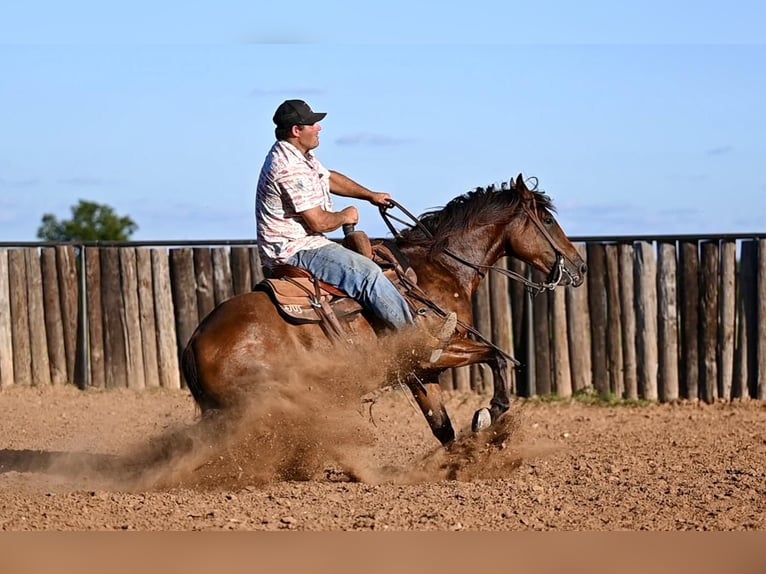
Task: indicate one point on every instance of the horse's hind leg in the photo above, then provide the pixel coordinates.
(428, 395)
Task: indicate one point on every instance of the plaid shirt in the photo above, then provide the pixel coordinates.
(289, 183)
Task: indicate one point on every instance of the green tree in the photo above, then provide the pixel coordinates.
(90, 222)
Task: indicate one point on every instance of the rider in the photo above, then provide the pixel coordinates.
(294, 210)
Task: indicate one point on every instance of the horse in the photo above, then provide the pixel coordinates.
(448, 251)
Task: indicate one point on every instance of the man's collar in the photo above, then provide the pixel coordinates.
(292, 149)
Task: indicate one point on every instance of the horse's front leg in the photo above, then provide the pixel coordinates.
(428, 395)
(468, 352)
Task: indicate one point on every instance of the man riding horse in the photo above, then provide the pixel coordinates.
(294, 210)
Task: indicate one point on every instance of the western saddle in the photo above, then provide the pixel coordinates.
(301, 298)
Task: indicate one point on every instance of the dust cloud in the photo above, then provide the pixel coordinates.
(304, 423)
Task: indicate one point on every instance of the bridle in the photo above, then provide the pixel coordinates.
(534, 287)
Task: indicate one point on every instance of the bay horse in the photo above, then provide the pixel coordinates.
(449, 250)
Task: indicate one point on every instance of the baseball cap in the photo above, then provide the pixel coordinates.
(296, 113)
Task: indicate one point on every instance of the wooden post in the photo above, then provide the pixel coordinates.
(461, 378)
(256, 267)
(760, 387)
(222, 284)
(628, 320)
(241, 276)
(743, 385)
(17, 272)
(668, 321)
(598, 315)
(53, 325)
(522, 380)
(500, 316)
(167, 341)
(41, 366)
(445, 380)
(530, 359)
(481, 321)
(115, 345)
(562, 374)
(184, 297)
(82, 367)
(689, 299)
(6, 337)
(542, 340)
(614, 320)
(95, 317)
(133, 345)
(70, 294)
(203, 273)
(517, 294)
(709, 322)
(146, 317)
(578, 333)
(728, 317)
(646, 308)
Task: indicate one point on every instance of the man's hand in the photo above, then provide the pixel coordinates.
(381, 199)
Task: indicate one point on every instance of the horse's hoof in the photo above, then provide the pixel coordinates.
(482, 420)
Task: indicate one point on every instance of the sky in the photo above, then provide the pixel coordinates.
(637, 118)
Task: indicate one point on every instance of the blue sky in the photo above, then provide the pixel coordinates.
(637, 118)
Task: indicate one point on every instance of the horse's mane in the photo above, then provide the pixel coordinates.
(475, 208)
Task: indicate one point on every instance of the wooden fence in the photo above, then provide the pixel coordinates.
(663, 320)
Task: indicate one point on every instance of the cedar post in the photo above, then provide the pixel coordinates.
(668, 321)
(646, 308)
(598, 315)
(628, 316)
(709, 322)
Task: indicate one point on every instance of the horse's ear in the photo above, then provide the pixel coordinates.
(520, 183)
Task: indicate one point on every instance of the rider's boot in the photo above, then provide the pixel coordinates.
(421, 347)
(436, 339)
(440, 337)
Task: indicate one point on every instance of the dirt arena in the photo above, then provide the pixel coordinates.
(129, 460)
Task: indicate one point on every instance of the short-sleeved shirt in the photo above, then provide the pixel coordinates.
(290, 182)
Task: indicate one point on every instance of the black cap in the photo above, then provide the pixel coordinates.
(296, 113)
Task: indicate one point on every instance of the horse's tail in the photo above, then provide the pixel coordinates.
(189, 367)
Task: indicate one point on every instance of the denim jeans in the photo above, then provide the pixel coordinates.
(360, 278)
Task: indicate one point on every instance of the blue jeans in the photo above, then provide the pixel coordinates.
(360, 278)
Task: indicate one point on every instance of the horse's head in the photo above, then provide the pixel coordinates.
(539, 240)
(480, 226)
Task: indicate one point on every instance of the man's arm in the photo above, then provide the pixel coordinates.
(321, 221)
(347, 187)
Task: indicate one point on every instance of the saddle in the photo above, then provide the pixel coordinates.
(301, 298)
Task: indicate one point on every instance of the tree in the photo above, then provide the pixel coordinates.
(90, 222)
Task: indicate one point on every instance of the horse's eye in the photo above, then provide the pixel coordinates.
(547, 219)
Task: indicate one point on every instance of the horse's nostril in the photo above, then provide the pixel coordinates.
(583, 269)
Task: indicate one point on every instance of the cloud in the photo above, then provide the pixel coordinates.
(687, 177)
(368, 139)
(627, 219)
(271, 37)
(721, 150)
(83, 181)
(29, 182)
(286, 92)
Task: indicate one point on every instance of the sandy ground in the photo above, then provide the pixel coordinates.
(129, 460)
